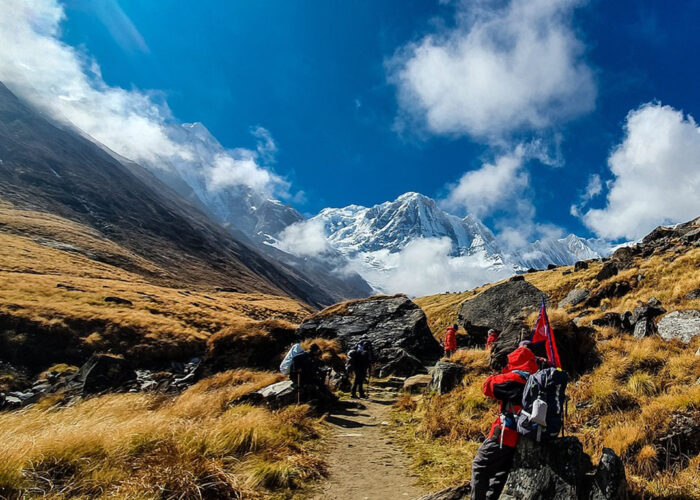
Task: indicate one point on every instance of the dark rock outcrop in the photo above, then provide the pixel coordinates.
(446, 376)
(681, 325)
(575, 345)
(275, 395)
(388, 322)
(608, 270)
(100, 373)
(498, 307)
(692, 295)
(562, 470)
(556, 470)
(401, 363)
(580, 265)
(609, 291)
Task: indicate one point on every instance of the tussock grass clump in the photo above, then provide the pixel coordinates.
(146, 446)
(476, 361)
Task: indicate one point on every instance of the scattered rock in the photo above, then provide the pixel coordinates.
(649, 311)
(695, 294)
(533, 270)
(498, 306)
(609, 291)
(610, 320)
(339, 381)
(69, 288)
(691, 236)
(119, 300)
(417, 384)
(551, 266)
(575, 296)
(517, 277)
(388, 322)
(275, 395)
(609, 481)
(580, 265)
(681, 325)
(100, 373)
(401, 363)
(564, 273)
(644, 328)
(608, 270)
(446, 376)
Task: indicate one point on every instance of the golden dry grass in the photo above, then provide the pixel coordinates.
(626, 403)
(147, 446)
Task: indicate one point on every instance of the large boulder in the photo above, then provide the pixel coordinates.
(575, 345)
(275, 395)
(498, 306)
(681, 325)
(100, 373)
(556, 470)
(401, 363)
(562, 470)
(388, 322)
(608, 270)
(446, 376)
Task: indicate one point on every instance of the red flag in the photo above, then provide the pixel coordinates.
(543, 332)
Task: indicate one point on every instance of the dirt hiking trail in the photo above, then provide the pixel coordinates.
(364, 461)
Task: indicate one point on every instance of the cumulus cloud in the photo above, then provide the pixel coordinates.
(503, 68)
(491, 186)
(656, 174)
(425, 267)
(67, 84)
(304, 239)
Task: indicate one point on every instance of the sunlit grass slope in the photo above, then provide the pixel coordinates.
(195, 445)
(640, 394)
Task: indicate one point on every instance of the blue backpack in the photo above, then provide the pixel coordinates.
(544, 402)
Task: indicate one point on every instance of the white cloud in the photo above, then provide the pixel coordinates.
(304, 239)
(656, 174)
(503, 68)
(138, 125)
(425, 267)
(593, 189)
(491, 186)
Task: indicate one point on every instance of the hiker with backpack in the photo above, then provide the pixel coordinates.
(450, 343)
(360, 359)
(491, 339)
(306, 373)
(495, 456)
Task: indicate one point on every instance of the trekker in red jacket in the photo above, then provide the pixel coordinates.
(451, 340)
(491, 339)
(495, 456)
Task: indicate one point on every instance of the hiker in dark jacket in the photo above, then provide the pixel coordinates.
(495, 456)
(306, 369)
(359, 361)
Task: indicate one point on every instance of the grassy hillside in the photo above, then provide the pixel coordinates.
(57, 279)
(642, 400)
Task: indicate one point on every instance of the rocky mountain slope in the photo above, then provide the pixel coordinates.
(52, 168)
(254, 212)
(628, 332)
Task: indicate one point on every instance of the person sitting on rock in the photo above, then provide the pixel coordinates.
(491, 339)
(307, 374)
(451, 340)
(359, 360)
(495, 456)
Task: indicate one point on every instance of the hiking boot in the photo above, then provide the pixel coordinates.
(353, 396)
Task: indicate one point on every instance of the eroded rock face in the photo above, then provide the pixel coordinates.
(681, 325)
(388, 322)
(498, 307)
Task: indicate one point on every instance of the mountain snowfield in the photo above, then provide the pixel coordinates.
(408, 245)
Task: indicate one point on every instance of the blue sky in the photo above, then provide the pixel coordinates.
(327, 79)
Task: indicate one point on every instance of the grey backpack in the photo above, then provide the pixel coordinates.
(544, 401)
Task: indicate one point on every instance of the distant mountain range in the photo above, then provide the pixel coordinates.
(169, 211)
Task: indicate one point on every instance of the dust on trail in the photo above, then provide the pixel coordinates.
(365, 462)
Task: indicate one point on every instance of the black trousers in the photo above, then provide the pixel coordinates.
(490, 469)
(359, 382)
